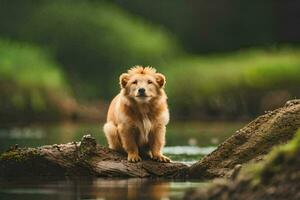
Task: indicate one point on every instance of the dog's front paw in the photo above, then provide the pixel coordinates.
(133, 157)
(161, 158)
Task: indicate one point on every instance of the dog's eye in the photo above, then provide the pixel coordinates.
(134, 82)
(150, 82)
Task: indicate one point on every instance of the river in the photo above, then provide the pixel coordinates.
(186, 142)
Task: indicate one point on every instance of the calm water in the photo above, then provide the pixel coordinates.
(186, 142)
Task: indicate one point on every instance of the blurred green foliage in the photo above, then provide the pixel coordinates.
(27, 76)
(222, 25)
(233, 84)
(94, 41)
(29, 66)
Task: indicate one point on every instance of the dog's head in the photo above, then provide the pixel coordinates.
(142, 83)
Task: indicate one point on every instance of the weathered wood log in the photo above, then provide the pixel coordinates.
(277, 177)
(86, 158)
(250, 143)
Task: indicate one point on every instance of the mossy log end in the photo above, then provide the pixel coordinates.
(250, 143)
(86, 158)
(277, 177)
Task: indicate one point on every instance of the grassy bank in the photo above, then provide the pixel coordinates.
(232, 85)
(228, 86)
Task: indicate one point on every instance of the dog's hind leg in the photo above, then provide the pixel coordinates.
(111, 133)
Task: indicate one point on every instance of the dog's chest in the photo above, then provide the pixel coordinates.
(144, 126)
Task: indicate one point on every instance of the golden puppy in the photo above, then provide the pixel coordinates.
(138, 115)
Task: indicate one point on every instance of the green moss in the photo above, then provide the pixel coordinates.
(280, 154)
(19, 155)
(274, 161)
(12, 155)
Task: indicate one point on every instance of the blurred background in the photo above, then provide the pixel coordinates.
(225, 62)
(223, 59)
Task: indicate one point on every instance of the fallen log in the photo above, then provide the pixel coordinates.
(250, 143)
(86, 158)
(277, 177)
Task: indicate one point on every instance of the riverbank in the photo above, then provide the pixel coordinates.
(275, 178)
(87, 158)
(237, 86)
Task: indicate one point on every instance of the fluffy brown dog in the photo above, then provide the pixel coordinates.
(138, 115)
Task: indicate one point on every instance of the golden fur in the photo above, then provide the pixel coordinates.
(137, 123)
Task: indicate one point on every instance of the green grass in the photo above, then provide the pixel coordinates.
(275, 162)
(232, 81)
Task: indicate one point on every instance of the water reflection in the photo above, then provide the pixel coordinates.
(201, 134)
(22, 133)
(186, 142)
(131, 189)
(106, 189)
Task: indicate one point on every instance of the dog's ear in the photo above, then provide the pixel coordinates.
(160, 79)
(124, 79)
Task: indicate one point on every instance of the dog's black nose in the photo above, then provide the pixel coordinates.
(141, 91)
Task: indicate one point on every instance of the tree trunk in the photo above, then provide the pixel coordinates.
(86, 158)
(250, 143)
